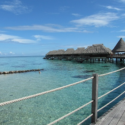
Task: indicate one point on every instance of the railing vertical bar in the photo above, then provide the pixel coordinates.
(94, 98)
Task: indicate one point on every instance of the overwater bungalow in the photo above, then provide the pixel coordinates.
(79, 54)
(97, 50)
(68, 54)
(120, 46)
(91, 53)
(51, 54)
(59, 54)
(79, 51)
(119, 51)
(69, 51)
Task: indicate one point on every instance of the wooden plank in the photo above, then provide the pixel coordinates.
(94, 98)
(121, 123)
(114, 116)
(122, 120)
(109, 117)
(123, 117)
(117, 116)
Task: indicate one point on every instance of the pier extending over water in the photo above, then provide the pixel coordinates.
(97, 52)
(115, 116)
(94, 53)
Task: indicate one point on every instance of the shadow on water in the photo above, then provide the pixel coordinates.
(2, 64)
(82, 76)
(115, 93)
(112, 95)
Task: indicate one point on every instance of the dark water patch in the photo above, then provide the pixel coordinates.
(11, 95)
(37, 63)
(105, 66)
(20, 107)
(2, 64)
(87, 71)
(3, 122)
(81, 76)
(21, 66)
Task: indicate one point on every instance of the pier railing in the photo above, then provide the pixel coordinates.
(118, 55)
(93, 102)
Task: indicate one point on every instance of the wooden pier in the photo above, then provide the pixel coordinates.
(94, 53)
(115, 116)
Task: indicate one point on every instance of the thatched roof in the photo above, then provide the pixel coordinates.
(69, 51)
(79, 50)
(120, 46)
(60, 52)
(48, 53)
(97, 49)
(94, 49)
(54, 52)
(51, 53)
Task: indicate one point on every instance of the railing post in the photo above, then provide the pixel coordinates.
(94, 98)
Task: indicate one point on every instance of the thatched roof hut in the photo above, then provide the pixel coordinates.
(90, 50)
(120, 46)
(97, 49)
(79, 50)
(51, 53)
(60, 52)
(54, 52)
(69, 51)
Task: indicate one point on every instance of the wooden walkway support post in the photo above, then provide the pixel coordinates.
(94, 98)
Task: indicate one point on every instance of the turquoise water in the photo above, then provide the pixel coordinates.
(45, 109)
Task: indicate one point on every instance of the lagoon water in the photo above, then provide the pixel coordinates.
(47, 108)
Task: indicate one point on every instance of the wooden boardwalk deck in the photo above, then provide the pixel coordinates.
(115, 116)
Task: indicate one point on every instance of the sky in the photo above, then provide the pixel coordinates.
(35, 27)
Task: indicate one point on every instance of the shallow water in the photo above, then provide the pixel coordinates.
(45, 109)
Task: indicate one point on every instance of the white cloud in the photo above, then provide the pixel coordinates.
(2, 31)
(76, 14)
(122, 1)
(0, 53)
(97, 20)
(39, 37)
(122, 30)
(76, 46)
(121, 36)
(12, 53)
(11, 38)
(64, 8)
(49, 28)
(123, 15)
(111, 7)
(16, 7)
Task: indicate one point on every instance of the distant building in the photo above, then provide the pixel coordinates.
(120, 46)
